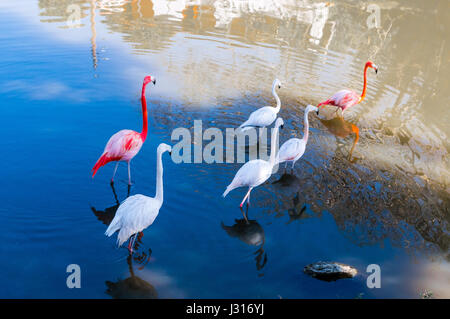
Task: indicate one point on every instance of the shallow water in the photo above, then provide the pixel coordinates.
(379, 198)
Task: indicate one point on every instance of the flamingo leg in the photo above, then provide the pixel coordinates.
(248, 200)
(115, 194)
(129, 174)
(131, 243)
(130, 249)
(134, 240)
(336, 112)
(246, 196)
(114, 173)
(245, 214)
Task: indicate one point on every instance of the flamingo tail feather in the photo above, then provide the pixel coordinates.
(103, 160)
(229, 189)
(112, 228)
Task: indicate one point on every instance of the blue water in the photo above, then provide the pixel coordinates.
(57, 114)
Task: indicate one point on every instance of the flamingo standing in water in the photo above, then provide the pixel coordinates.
(294, 148)
(255, 172)
(345, 99)
(266, 115)
(138, 212)
(125, 144)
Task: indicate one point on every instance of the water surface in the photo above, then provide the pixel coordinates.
(372, 187)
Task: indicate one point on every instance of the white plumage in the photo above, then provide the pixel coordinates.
(266, 115)
(291, 150)
(255, 172)
(294, 148)
(138, 212)
(251, 174)
(134, 215)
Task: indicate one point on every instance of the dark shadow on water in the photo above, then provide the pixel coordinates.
(297, 213)
(298, 208)
(287, 180)
(291, 188)
(250, 232)
(132, 287)
(107, 215)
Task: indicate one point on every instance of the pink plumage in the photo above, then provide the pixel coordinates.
(122, 146)
(125, 144)
(345, 99)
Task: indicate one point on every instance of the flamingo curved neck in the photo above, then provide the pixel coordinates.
(274, 92)
(144, 114)
(273, 143)
(363, 94)
(306, 127)
(159, 178)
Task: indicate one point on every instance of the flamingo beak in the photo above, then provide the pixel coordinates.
(279, 86)
(154, 82)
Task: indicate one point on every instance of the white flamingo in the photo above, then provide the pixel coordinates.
(293, 149)
(138, 212)
(266, 115)
(256, 172)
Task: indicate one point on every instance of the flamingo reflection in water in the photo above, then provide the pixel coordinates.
(107, 215)
(131, 287)
(341, 128)
(250, 232)
(288, 185)
(297, 213)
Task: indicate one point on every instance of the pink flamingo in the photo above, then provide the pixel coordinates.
(346, 98)
(125, 144)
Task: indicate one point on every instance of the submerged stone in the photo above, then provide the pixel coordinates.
(330, 271)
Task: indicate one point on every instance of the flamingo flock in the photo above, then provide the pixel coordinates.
(137, 212)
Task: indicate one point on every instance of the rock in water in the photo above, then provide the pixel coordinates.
(330, 271)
